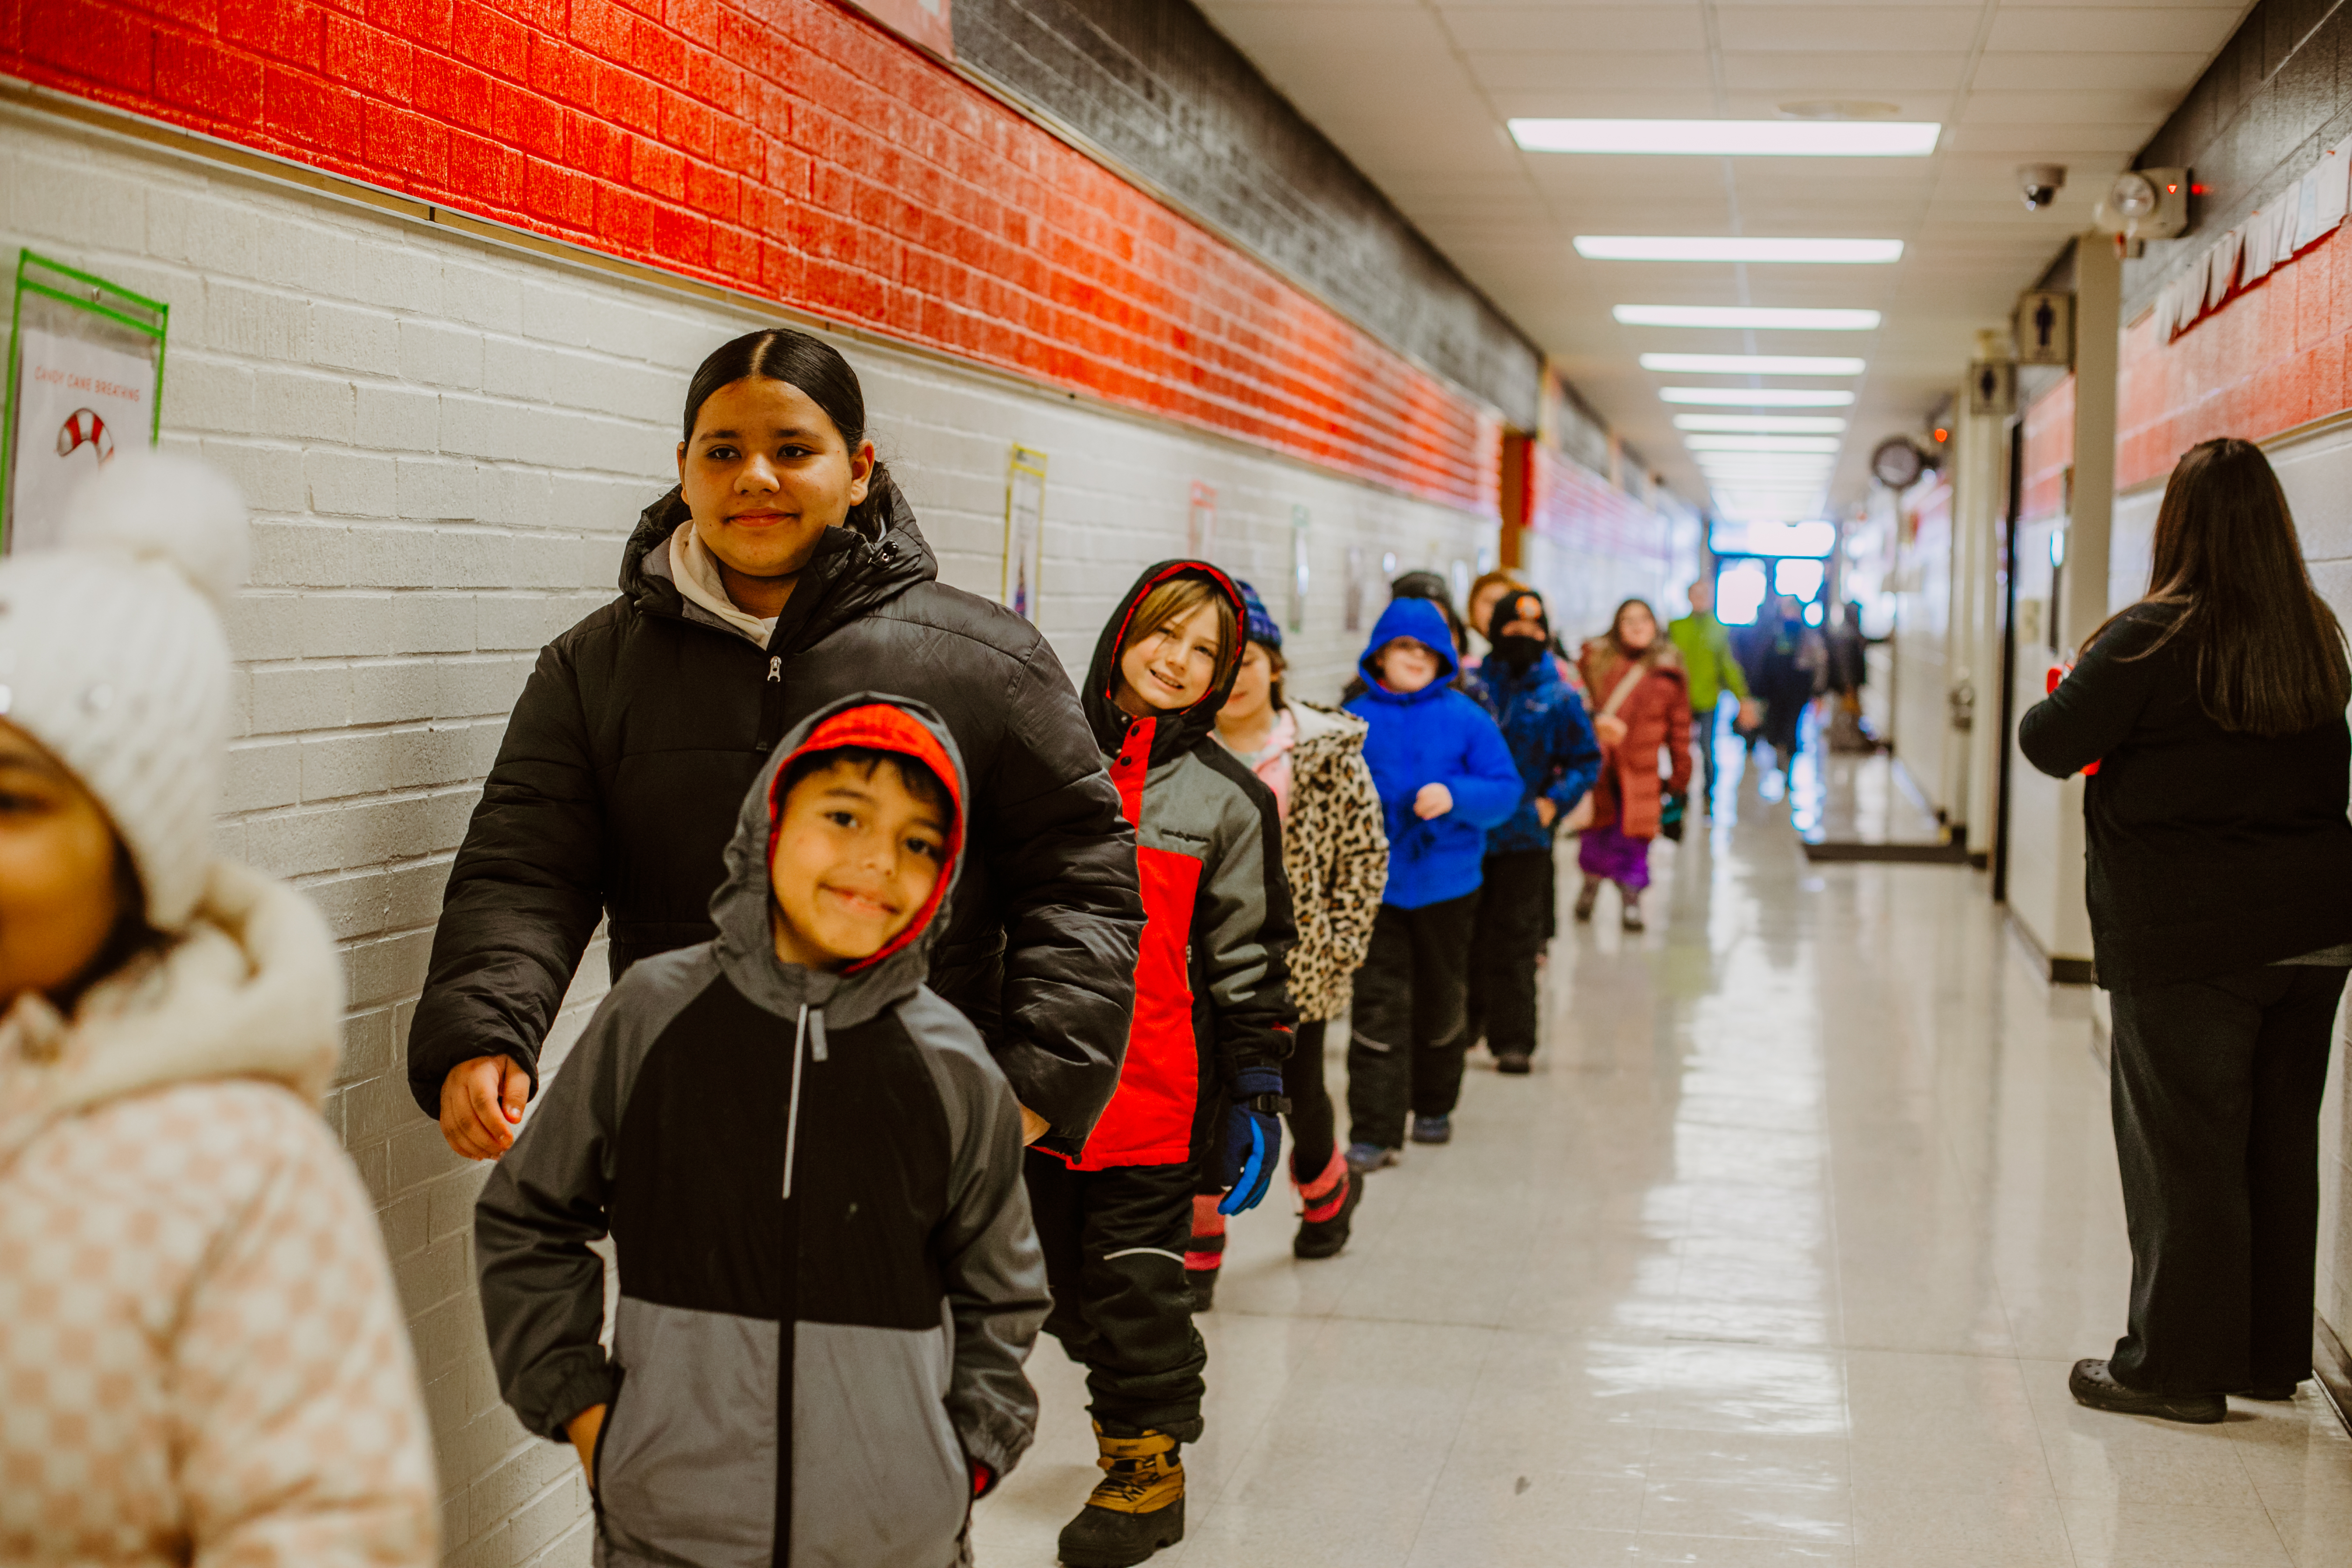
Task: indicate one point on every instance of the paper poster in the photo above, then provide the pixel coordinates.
(925, 22)
(1299, 570)
(76, 403)
(1024, 531)
(1201, 524)
(1354, 606)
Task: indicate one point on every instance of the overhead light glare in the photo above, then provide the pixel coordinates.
(1747, 316)
(1761, 443)
(1755, 424)
(1711, 247)
(1755, 396)
(1754, 365)
(1733, 138)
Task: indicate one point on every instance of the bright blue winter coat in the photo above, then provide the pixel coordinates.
(1550, 739)
(1435, 735)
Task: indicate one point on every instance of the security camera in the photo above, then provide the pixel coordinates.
(2039, 183)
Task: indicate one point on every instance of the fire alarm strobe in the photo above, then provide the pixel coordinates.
(2146, 203)
(1897, 462)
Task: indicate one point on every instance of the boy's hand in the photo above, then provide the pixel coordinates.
(1609, 727)
(481, 1106)
(1749, 716)
(583, 1429)
(1434, 800)
(1032, 1127)
(1546, 810)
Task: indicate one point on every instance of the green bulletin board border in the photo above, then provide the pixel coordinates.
(92, 295)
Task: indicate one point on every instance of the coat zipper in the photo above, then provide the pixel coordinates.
(772, 706)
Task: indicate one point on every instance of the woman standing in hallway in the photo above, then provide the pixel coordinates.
(1335, 854)
(784, 572)
(1790, 666)
(1636, 677)
(2220, 884)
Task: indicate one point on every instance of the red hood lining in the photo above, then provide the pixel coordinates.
(878, 727)
(1143, 591)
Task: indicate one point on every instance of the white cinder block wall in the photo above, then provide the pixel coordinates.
(444, 443)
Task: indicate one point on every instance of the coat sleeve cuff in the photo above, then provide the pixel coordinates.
(584, 1387)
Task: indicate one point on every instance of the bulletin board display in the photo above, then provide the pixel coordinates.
(85, 379)
(1024, 531)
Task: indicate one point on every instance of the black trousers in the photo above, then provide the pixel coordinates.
(1514, 921)
(1409, 1028)
(1114, 1243)
(1313, 1123)
(2216, 1087)
(1703, 737)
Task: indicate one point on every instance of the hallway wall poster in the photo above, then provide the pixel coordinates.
(85, 377)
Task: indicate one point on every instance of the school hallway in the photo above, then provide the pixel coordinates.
(1780, 1255)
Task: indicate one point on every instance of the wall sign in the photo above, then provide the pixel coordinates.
(85, 379)
(2045, 327)
(1355, 595)
(1299, 570)
(1992, 388)
(1024, 531)
(925, 23)
(1201, 523)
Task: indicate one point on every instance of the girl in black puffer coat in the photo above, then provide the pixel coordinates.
(785, 571)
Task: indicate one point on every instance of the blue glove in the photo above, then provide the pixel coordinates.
(1253, 1139)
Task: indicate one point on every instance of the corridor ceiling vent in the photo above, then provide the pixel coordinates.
(1761, 423)
(1754, 365)
(1733, 138)
(1746, 317)
(1755, 396)
(1762, 442)
(1734, 247)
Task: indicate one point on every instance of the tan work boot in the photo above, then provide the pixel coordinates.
(1135, 1510)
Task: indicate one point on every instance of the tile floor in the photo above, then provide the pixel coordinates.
(1780, 1255)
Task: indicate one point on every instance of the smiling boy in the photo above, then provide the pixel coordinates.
(835, 1248)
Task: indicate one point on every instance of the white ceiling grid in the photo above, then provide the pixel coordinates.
(1417, 91)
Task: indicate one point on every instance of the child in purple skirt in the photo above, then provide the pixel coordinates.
(1642, 708)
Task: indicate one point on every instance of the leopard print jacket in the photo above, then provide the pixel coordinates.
(1335, 853)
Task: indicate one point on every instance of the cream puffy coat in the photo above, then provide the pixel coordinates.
(201, 1360)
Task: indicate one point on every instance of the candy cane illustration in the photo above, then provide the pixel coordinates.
(83, 428)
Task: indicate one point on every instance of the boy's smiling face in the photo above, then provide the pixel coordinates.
(854, 858)
(1407, 665)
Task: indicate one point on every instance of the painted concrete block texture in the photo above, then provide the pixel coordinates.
(422, 522)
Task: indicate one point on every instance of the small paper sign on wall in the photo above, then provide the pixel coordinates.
(1024, 531)
(928, 23)
(1201, 523)
(1301, 575)
(85, 380)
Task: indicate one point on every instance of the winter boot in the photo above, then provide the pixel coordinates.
(1629, 913)
(1329, 1204)
(1586, 897)
(1365, 1158)
(1136, 1508)
(1205, 1253)
(1432, 1130)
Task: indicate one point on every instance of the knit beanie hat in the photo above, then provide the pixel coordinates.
(112, 658)
(1261, 627)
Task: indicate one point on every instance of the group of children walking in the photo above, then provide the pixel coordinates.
(834, 1251)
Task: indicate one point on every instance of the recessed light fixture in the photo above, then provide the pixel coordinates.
(1733, 138)
(1729, 247)
(1754, 365)
(1755, 396)
(1744, 316)
(1758, 424)
(1762, 443)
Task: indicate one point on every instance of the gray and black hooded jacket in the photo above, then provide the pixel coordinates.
(812, 1183)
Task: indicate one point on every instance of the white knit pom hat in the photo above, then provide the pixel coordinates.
(111, 656)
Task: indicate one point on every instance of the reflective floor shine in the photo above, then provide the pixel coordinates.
(1780, 1255)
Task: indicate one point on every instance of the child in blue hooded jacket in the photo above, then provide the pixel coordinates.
(1445, 777)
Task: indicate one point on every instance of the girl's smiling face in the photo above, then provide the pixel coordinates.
(765, 474)
(58, 899)
(1168, 668)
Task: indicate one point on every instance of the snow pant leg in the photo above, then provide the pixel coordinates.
(1379, 1034)
(1441, 984)
(1114, 1243)
(1313, 1123)
(1514, 917)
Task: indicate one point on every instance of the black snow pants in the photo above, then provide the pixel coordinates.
(2216, 1087)
(1409, 1029)
(1114, 1243)
(1514, 911)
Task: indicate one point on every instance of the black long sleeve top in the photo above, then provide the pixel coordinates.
(2210, 850)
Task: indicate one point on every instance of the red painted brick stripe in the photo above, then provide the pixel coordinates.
(800, 153)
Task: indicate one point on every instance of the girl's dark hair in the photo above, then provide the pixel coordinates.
(816, 367)
(131, 937)
(2270, 654)
(1278, 665)
(1618, 621)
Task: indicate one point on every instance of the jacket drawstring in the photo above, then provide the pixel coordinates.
(792, 1108)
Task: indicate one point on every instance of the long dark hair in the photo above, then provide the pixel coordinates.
(1648, 655)
(2270, 655)
(816, 367)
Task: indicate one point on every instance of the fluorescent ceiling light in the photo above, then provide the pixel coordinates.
(1755, 396)
(1747, 316)
(1705, 247)
(1762, 443)
(1754, 365)
(1735, 474)
(1758, 424)
(1733, 138)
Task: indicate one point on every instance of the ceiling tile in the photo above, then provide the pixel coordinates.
(1546, 71)
(1844, 75)
(2171, 74)
(2145, 106)
(2096, 29)
(1659, 27)
(1938, 29)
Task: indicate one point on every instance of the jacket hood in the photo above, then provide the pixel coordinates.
(739, 909)
(1420, 620)
(854, 569)
(1171, 734)
(252, 989)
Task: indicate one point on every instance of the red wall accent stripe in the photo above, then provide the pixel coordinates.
(2269, 359)
(2049, 452)
(1570, 505)
(800, 153)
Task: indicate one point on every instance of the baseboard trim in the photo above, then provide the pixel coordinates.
(2056, 971)
(2333, 1368)
(1838, 849)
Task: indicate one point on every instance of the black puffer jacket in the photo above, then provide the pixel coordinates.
(616, 788)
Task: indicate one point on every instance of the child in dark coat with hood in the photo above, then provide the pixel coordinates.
(1445, 777)
(829, 1279)
(1200, 1087)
